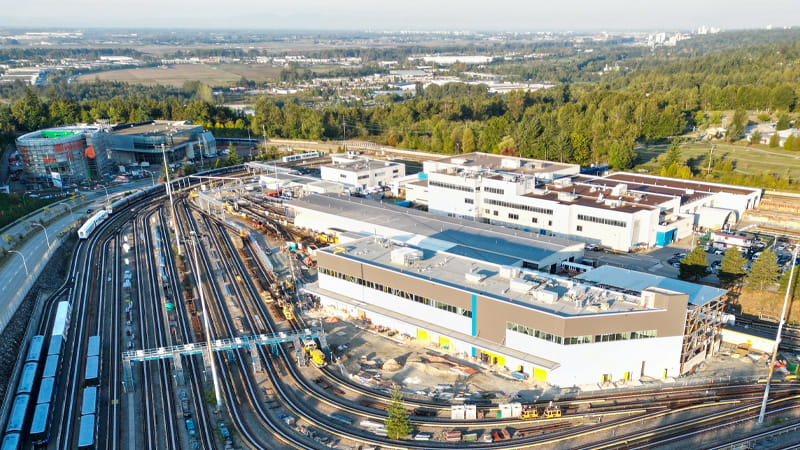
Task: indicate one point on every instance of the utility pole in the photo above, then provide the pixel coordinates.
(264, 132)
(171, 204)
(778, 337)
(206, 322)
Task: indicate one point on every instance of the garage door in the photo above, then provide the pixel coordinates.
(422, 335)
(444, 342)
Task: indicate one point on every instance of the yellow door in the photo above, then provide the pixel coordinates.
(497, 360)
(422, 335)
(444, 342)
(539, 374)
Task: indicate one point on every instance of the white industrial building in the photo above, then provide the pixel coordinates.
(621, 211)
(362, 174)
(608, 325)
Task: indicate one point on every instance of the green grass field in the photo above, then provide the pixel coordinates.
(748, 160)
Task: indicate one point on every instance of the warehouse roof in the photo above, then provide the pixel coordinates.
(630, 280)
(463, 237)
(559, 296)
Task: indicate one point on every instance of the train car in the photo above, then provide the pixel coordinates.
(89, 404)
(35, 349)
(40, 425)
(299, 157)
(11, 441)
(86, 434)
(47, 391)
(93, 346)
(28, 378)
(91, 224)
(92, 370)
(61, 322)
(19, 412)
(55, 345)
(51, 366)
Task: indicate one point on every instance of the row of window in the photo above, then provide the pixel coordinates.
(397, 292)
(588, 339)
(518, 206)
(494, 190)
(450, 186)
(614, 223)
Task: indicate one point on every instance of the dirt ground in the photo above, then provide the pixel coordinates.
(364, 353)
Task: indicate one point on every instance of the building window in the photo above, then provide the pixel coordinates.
(496, 213)
(535, 220)
(469, 200)
(513, 216)
(549, 223)
(535, 209)
(575, 340)
(397, 292)
(579, 228)
(493, 190)
(604, 221)
(450, 186)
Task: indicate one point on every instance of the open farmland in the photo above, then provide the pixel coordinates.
(213, 75)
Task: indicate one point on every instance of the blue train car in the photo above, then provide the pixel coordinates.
(93, 347)
(86, 434)
(40, 425)
(19, 412)
(11, 441)
(51, 366)
(35, 349)
(92, 370)
(47, 390)
(28, 378)
(55, 345)
(89, 405)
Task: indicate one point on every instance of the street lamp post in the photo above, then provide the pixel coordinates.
(108, 200)
(778, 336)
(23, 260)
(45, 232)
(171, 204)
(206, 323)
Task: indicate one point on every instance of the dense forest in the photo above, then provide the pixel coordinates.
(653, 99)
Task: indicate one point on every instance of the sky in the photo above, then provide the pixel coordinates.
(502, 15)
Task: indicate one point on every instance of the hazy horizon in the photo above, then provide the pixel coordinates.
(353, 15)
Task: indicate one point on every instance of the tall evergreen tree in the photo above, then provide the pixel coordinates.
(732, 267)
(693, 266)
(764, 271)
(397, 424)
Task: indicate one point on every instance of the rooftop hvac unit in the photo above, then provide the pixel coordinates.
(509, 272)
(520, 285)
(474, 277)
(459, 161)
(508, 163)
(567, 196)
(405, 256)
(619, 189)
(545, 296)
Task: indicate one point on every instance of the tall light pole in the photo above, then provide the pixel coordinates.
(206, 323)
(108, 200)
(23, 261)
(778, 337)
(45, 232)
(171, 204)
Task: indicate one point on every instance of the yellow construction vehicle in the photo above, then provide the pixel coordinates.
(313, 352)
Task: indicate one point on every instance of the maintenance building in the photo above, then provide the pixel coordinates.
(608, 325)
